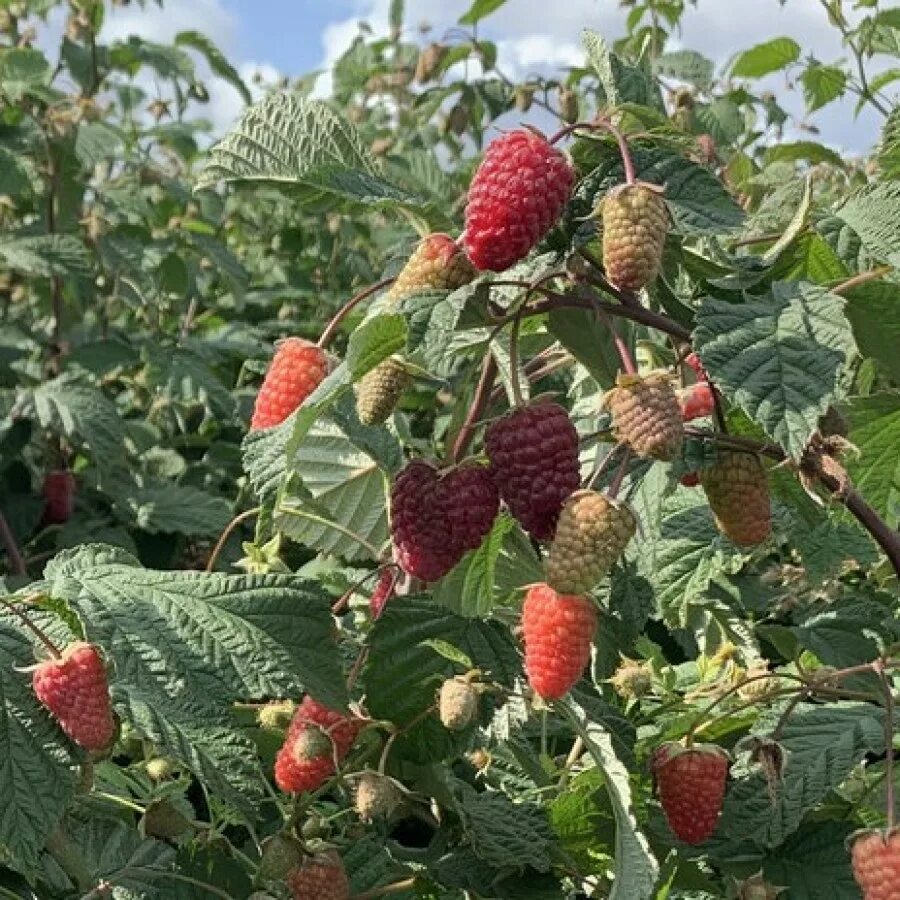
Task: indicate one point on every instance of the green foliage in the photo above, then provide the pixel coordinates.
(146, 269)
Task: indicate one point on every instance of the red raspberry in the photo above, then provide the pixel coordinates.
(515, 198)
(534, 460)
(296, 370)
(320, 878)
(383, 592)
(690, 782)
(693, 360)
(75, 689)
(876, 864)
(558, 631)
(690, 479)
(696, 401)
(436, 517)
(293, 771)
(59, 494)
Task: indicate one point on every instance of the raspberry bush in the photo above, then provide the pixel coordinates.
(454, 488)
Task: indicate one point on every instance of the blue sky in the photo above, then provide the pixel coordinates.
(294, 37)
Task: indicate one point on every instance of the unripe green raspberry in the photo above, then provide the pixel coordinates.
(646, 415)
(437, 263)
(280, 854)
(457, 703)
(376, 796)
(635, 223)
(592, 533)
(380, 390)
(738, 492)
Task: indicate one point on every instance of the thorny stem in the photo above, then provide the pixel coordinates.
(223, 539)
(879, 667)
(479, 402)
(16, 562)
(602, 467)
(571, 759)
(605, 125)
(621, 347)
(38, 632)
(864, 277)
(332, 327)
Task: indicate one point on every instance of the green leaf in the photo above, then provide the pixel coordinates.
(507, 835)
(814, 863)
(622, 83)
(37, 779)
(13, 174)
(874, 312)
(765, 58)
(805, 150)
(46, 254)
(823, 745)
(172, 508)
(209, 637)
(830, 545)
(373, 341)
(778, 358)
(585, 336)
(216, 60)
(292, 143)
(873, 212)
(479, 10)
(822, 84)
(433, 315)
(889, 146)
(225, 262)
(96, 141)
(636, 868)
(599, 57)
(342, 508)
(183, 377)
(875, 430)
(687, 65)
(21, 70)
(81, 413)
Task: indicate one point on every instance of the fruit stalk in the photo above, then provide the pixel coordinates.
(16, 561)
(479, 402)
(880, 667)
(38, 632)
(335, 323)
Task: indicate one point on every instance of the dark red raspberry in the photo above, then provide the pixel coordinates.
(515, 198)
(74, 688)
(295, 770)
(534, 459)
(437, 516)
(558, 631)
(690, 479)
(296, 370)
(383, 592)
(690, 782)
(59, 494)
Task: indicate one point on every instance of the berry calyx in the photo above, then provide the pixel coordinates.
(635, 224)
(533, 453)
(646, 415)
(58, 492)
(690, 783)
(305, 762)
(437, 516)
(592, 533)
(737, 489)
(319, 878)
(516, 196)
(558, 631)
(457, 703)
(876, 864)
(297, 369)
(74, 688)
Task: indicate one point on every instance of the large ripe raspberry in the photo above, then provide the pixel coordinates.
(515, 198)
(457, 703)
(635, 223)
(320, 878)
(646, 415)
(384, 590)
(74, 688)
(379, 391)
(438, 263)
(297, 369)
(436, 517)
(876, 864)
(558, 631)
(592, 533)
(295, 769)
(59, 496)
(690, 783)
(534, 459)
(737, 489)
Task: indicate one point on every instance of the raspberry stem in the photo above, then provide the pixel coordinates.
(881, 670)
(479, 401)
(332, 327)
(616, 483)
(223, 538)
(16, 562)
(38, 632)
(604, 125)
(514, 359)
